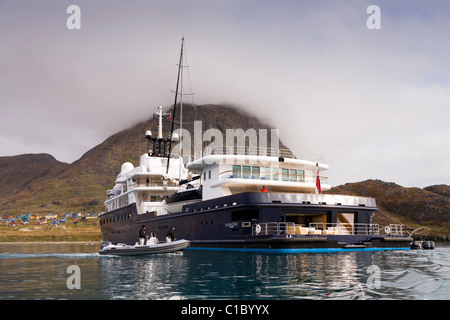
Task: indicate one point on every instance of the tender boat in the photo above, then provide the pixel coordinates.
(153, 246)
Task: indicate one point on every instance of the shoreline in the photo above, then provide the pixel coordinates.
(83, 231)
(41, 242)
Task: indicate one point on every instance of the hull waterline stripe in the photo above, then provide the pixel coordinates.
(312, 250)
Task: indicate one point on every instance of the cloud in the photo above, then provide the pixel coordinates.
(373, 102)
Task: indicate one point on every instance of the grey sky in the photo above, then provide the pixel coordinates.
(375, 103)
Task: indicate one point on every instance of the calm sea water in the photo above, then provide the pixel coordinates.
(40, 271)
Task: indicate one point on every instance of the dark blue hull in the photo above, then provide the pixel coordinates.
(232, 222)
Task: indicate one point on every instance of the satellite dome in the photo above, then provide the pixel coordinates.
(126, 167)
(175, 137)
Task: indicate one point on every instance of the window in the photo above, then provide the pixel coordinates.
(236, 171)
(275, 173)
(204, 175)
(285, 174)
(255, 172)
(245, 172)
(301, 175)
(155, 198)
(267, 173)
(245, 215)
(209, 174)
(293, 175)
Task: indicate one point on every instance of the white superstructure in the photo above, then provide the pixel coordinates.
(156, 177)
(147, 184)
(224, 175)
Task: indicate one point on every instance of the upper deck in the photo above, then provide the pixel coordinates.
(146, 184)
(249, 169)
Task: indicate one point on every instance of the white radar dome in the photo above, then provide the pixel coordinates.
(126, 167)
(175, 137)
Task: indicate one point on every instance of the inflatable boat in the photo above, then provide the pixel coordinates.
(151, 247)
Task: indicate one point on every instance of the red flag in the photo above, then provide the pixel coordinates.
(319, 188)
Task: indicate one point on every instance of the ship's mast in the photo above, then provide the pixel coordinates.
(160, 115)
(159, 148)
(181, 116)
(180, 66)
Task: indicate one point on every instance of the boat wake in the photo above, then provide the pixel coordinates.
(414, 275)
(19, 255)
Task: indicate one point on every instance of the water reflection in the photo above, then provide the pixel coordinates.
(147, 277)
(310, 276)
(225, 275)
(38, 271)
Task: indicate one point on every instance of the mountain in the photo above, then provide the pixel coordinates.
(18, 172)
(441, 189)
(415, 207)
(82, 185)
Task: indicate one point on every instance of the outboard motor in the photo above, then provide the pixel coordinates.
(105, 244)
(415, 245)
(428, 245)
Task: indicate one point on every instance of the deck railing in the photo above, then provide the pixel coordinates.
(258, 151)
(290, 228)
(394, 229)
(263, 176)
(273, 228)
(344, 228)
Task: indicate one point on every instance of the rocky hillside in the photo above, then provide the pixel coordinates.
(18, 172)
(415, 207)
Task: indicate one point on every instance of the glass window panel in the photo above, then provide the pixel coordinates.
(293, 175)
(236, 171)
(275, 173)
(245, 172)
(284, 174)
(255, 172)
(301, 175)
(267, 173)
